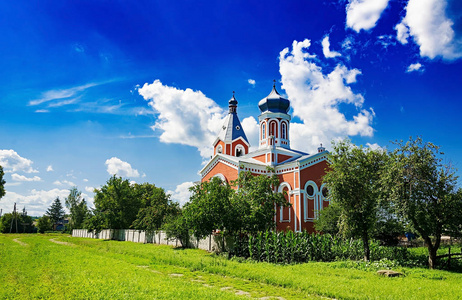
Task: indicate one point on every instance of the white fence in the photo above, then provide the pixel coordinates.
(210, 243)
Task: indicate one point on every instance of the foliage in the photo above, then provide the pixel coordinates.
(423, 191)
(22, 222)
(55, 211)
(116, 205)
(77, 207)
(155, 207)
(176, 227)
(210, 208)
(2, 183)
(44, 224)
(354, 186)
(328, 220)
(256, 201)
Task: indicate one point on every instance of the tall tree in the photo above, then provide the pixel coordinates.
(2, 183)
(56, 211)
(210, 208)
(423, 190)
(155, 207)
(353, 180)
(256, 201)
(77, 207)
(116, 205)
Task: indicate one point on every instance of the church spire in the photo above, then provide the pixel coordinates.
(232, 104)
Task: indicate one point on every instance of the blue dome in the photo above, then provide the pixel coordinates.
(274, 103)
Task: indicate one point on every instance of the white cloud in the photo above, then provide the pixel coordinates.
(251, 129)
(50, 168)
(11, 161)
(36, 202)
(374, 146)
(185, 116)
(251, 82)
(64, 182)
(85, 180)
(118, 167)
(315, 98)
(89, 189)
(61, 94)
(181, 193)
(364, 14)
(326, 48)
(42, 111)
(414, 67)
(17, 177)
(431, 28)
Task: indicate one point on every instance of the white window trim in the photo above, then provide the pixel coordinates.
(289, 192)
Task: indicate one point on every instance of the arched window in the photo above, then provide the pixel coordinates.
(219, 149)
(263, 131)
(273, 129)
(240, 150)
(284, 130)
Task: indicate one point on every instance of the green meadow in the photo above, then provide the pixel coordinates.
(61, 267)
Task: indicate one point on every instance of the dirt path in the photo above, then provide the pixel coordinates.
(19, 242)
(61, 243)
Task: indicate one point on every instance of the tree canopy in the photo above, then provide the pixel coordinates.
(353, 181)
(77, 207)
(55, 211)
(423, 190)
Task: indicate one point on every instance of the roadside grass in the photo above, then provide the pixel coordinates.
(100, 269)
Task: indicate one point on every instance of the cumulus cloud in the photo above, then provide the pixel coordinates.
(50, 168)
(89, 189)
(427, 22)
(184, 116)
(116, 166)
(64, 182)
(364, 14)
(36, 202)
(251, 129)
(251, 82)
(326, 48)
(375, 146)
(17, 177)
(181, 193)
(11, 161)
(315, 98)
(414, 67)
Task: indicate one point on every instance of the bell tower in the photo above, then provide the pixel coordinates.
(274, 121)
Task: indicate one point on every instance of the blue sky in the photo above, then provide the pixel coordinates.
(139, 88)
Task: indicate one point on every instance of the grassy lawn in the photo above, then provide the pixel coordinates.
(58, 266)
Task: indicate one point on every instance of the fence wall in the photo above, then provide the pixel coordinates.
(210, 243)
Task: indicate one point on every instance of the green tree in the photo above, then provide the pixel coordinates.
(353, 180)
(328, 220)
(2, 183)
(423, 191)
(155, 207)
(210, 208)
(45, 223)
(176, 226)
(56, 211)
(256, 201)
(77, 207)
(116, 205)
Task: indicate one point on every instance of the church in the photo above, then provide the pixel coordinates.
(300, 174)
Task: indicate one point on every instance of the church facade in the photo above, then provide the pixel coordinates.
(300, 174)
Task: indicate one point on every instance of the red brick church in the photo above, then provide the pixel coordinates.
(300, 174)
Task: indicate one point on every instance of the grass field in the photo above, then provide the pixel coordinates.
(62, 267)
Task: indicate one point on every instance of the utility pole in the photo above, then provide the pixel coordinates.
(14, 218)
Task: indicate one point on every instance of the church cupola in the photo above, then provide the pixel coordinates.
(232, 139)
(274, 120)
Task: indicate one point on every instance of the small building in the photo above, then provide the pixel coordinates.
(300, 174)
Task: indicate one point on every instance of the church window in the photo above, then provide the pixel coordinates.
(263, 131)
(272, 129)
(310, 191)
(325, 192)
(239, 151)
(284, 131)
(219, 149)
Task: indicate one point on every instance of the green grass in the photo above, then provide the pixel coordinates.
(97, 269)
